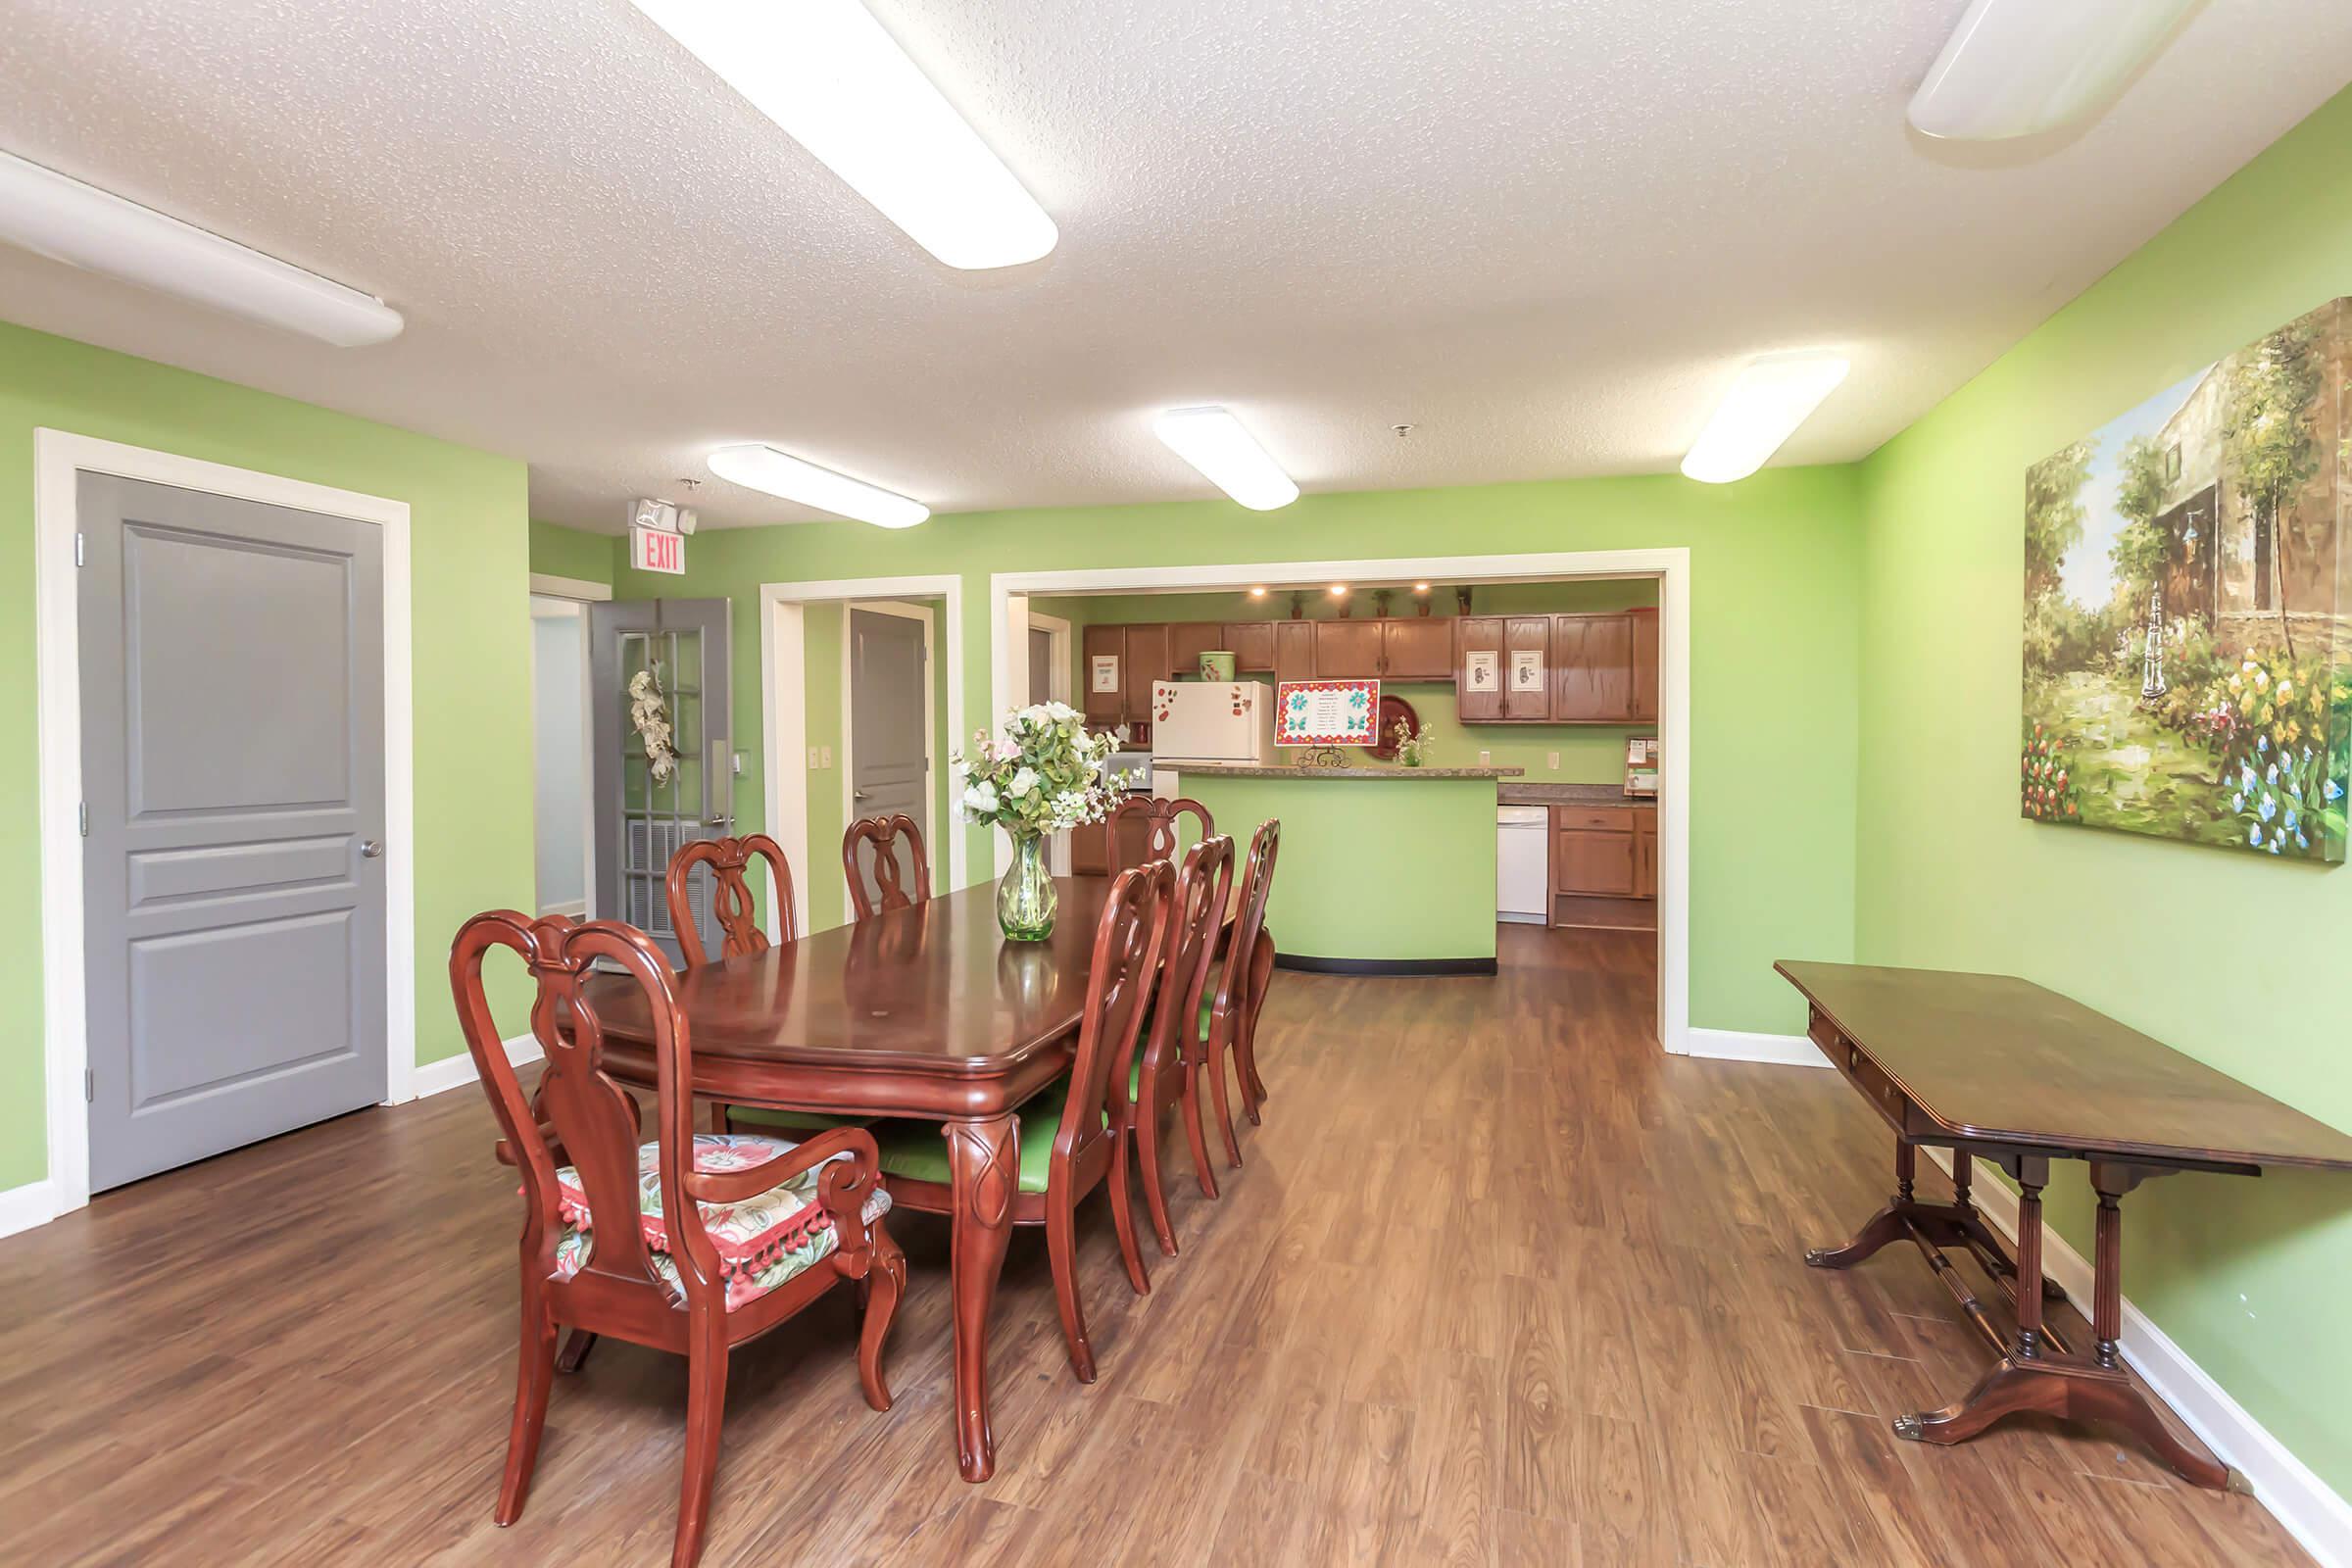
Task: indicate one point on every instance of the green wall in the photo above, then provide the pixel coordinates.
(2236, 961)
(1589, 754)
(560, 552)
(472, 708)
(1775, 566)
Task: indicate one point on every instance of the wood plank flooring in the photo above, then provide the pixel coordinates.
(1500, 1284)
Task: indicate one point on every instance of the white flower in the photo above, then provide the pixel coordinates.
(981, 799)
(1023, 780)
(1061, 713)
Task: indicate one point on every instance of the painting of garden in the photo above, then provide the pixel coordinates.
(2187, 666)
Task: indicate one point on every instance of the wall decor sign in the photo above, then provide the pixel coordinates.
(1526, 669)
(1327, 713)
(1482, 670)
(1103, 673)
(2187, 658)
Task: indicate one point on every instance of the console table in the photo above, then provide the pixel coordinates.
(1993, 1068)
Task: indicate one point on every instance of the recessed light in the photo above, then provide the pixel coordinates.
(1420, 587)
(83, 227)
(1257, 592)
(1339, 590)
(840, 85)
(760, 467)
(1218, 444)
(1771, 397)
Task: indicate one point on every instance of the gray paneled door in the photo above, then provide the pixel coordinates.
(890, 746)
(233, 722)
(641, 821)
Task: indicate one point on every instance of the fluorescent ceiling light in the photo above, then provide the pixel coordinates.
(842, 87)
(1772, 397)
(1215, 442)
(760, 467)
(98, 232)
(2014, 68)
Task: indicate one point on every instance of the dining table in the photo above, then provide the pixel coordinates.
(927, 1012)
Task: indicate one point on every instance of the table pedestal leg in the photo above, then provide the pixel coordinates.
(984, 1167)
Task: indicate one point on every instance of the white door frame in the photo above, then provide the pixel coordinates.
(848, 728)
(60, 456)
(1008, 591)
(783, 712)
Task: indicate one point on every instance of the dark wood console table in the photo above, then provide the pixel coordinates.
(1993, 1068)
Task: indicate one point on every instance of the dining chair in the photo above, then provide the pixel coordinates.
(740, 934)
(882, 836)
(1239, 994)
(1169, 1069)
(1072, 1136)
(691, 1244)
(1158, 818)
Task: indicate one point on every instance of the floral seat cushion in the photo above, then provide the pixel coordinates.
(762, 1242)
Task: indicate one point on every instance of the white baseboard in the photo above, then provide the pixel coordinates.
(1738, 1045)
(24, 1208)
(455, 1072)
(2312, 1511)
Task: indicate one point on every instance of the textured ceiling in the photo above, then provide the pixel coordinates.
(1542, 233)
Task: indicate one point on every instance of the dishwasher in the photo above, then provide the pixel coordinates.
(1522, 865)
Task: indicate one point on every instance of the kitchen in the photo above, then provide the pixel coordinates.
(1538, 701)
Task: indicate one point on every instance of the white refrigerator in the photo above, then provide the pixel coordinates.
(1210, 721)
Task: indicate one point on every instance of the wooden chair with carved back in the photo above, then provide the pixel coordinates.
(1239, 994)
(688, 1244)
(1158, 819)
(739, 934)
(1169, 1069)
(1072, 1137)
(877, 883)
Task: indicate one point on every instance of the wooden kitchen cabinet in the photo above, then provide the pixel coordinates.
(1646, 854)
(1188, 640)
(1593, 851)
(1645, 666)
(1148, 660)
(1416, 648)
(1475, 703)
(1347, 650)
(1524, 636)
(1594, 659)
(1294, 650)
(1253, 645)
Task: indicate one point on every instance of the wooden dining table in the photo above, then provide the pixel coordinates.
(925, 1012)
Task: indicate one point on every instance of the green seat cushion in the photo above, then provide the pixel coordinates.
(802, 1120)
(915, 1152)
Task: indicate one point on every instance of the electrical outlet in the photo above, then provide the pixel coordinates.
(1485, 758)
(1552, 760)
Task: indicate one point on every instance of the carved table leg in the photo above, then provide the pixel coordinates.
(1886, 1225)
(984, 1167)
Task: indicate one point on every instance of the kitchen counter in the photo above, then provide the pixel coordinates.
(1393, 770)
(1569, 794)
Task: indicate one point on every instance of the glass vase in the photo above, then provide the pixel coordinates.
(1025, 898)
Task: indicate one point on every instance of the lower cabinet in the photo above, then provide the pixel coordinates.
(1605, 861)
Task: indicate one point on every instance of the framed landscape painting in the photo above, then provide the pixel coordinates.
(2188, 667)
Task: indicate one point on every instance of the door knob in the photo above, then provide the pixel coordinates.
(856, 794)
(372, 848)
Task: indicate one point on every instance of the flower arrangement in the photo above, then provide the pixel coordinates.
(2045, 790)
(1411, 749)
(1043, 773)
(649, 713)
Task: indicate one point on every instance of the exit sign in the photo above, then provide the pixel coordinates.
(658, 549)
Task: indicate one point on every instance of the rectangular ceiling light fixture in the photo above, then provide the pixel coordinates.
(60, 218)
(757, 465)
(1771, 398)
(842, 87)
(1216, 442)
(2015, 68)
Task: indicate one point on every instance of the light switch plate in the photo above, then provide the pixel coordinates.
(811, 757)
(1485, 758)
(1555, 761)
(826, 752)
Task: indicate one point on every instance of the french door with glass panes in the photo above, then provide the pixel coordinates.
(672, 653)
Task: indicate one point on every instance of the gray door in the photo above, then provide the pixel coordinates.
(890, 753)
(643, 821)
(1041, 665)
(233, 721)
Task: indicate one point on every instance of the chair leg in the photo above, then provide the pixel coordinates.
(885, 1282)
(576, 1346)
(535, 1371)
(1193, 1133)
(705, 1404)
(1145, 1136)
(1216, 1086)
(1061, 1250)
(1122, 1220)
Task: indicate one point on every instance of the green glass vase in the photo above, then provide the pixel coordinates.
(1025, 898)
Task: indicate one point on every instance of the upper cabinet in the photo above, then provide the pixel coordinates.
(1347, 650)
(1253, 645)
(1529, 651)
(1595, 661)
(1294, 650)
(1478, 671)
(1416, 648)
(1645, 666)
(1558, 669)
(1120, 664)
(1188, 640)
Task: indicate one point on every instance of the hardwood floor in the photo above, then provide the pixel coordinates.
(1500, 1284)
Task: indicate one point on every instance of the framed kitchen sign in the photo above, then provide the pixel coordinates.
(1327, 713)
(1482, 670)
(1102, 672)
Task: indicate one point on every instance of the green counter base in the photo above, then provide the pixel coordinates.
(1309, 964)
